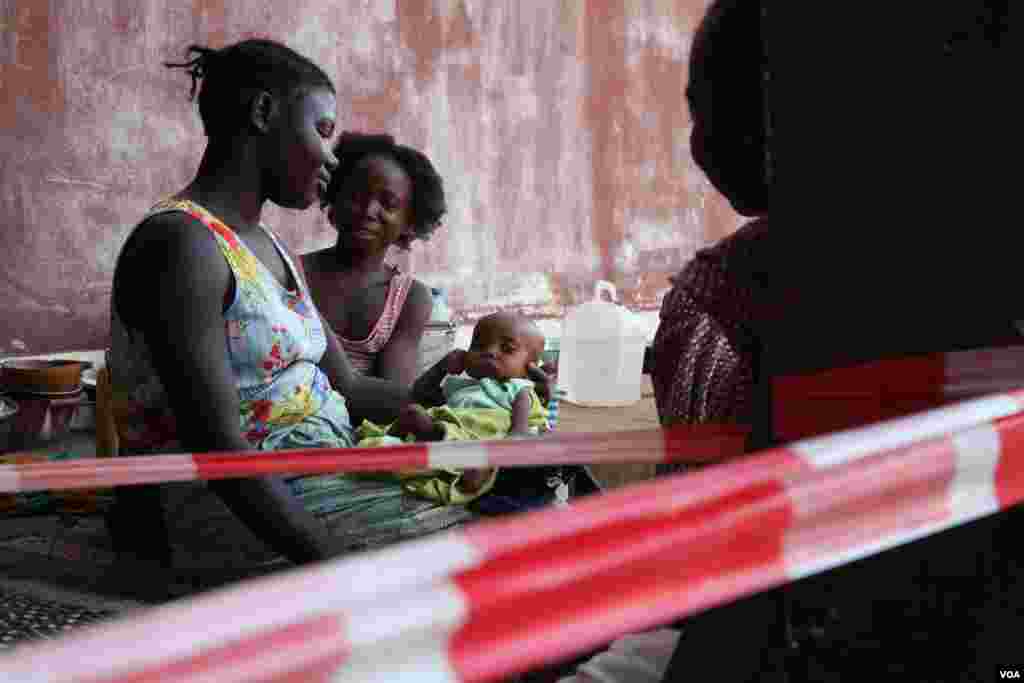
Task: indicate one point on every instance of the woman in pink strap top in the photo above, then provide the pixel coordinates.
(382, 195)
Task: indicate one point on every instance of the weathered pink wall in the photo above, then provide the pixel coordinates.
(560, 128)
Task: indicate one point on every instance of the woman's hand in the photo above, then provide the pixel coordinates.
(426, 390)
(456, 362)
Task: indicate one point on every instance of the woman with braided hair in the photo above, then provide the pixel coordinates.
(217, 344)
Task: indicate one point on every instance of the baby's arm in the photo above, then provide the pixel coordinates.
(521, 414)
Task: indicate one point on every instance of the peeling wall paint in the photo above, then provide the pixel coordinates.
(560, 129)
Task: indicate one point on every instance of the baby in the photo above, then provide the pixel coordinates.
(487, 396)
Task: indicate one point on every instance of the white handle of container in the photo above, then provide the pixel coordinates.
(605, 286)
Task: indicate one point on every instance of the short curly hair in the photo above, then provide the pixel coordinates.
(428, 202)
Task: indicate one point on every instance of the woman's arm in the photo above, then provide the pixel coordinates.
(372, 398)
(380, 400)
(185, 278)
(399, 358)
(426, 390)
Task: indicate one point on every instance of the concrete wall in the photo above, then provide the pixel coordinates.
(560, 128)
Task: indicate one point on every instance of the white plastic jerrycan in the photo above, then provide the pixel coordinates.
(600, 362)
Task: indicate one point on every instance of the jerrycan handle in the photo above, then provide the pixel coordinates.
(605, 286)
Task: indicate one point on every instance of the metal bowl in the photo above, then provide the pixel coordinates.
(46, 377)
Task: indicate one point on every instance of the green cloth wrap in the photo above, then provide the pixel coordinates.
(476, 410)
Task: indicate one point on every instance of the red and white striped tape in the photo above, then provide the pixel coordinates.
(842, 398)
(682, 443)
(507, 595)
(803, 406)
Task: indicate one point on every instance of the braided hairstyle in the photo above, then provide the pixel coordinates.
(428, 203)
(232, 76)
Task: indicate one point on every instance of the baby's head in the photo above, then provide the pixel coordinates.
(503, 345)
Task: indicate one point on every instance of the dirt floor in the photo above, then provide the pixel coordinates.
(641, 415)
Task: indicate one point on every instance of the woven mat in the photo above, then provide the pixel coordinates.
(32, 610)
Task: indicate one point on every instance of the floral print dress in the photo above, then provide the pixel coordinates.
(275, 340)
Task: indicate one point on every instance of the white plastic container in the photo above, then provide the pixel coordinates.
(601, 358)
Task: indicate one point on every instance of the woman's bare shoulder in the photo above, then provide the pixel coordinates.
(419, 304)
